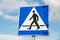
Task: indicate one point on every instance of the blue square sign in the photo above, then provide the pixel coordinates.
(33, 20)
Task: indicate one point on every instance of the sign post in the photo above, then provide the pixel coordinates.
(33, 37)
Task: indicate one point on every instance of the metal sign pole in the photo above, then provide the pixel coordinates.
(33, 37)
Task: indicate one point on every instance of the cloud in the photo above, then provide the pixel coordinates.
(54, 7)
(52, 2)
(10, 37)
(9, 17)
(51, 36)
(15, 4)
(1, 14)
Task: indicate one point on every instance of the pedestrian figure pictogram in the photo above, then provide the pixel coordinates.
(35, 19)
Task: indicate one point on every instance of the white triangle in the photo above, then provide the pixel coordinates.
(28, 22)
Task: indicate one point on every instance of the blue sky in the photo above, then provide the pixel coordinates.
(9, 17)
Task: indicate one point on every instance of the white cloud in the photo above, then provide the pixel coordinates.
(12, 18)
(52, 2)
(54, 7)
(1, 13)
(10, 37)
(51, 36)
(9, 17)
(15, 4)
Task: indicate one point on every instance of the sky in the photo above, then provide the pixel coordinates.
(9, 19)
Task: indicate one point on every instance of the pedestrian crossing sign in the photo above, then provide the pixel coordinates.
(33, 20)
